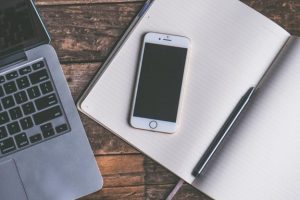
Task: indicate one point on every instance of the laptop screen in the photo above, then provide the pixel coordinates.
(20, 27)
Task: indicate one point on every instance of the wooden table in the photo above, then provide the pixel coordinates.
(83, 33)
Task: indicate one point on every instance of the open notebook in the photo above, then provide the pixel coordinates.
(233, 48)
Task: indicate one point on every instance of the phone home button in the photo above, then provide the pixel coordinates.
(153, 124)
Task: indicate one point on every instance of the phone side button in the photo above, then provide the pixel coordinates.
(153, 124)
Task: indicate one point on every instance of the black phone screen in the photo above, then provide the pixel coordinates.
(160, 82)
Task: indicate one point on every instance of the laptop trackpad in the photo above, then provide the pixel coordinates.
(11, 186)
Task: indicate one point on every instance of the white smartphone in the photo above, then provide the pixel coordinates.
(161, 73)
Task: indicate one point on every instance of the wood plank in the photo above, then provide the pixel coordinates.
(149, 192)
(122, 170)
(185, 193)
(155, 192)
(79, 75)
(160, 182)
(189, 192)
(155, 174)
(74, 2)
(104, 142)
(133, 170)
(284, 12)
(123, 177)
(118, 193)
(87, 33)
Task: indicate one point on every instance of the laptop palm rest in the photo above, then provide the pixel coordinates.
(11, 186)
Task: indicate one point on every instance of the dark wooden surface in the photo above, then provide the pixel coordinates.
(83, 33)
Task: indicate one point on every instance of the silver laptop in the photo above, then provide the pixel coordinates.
(44, 151)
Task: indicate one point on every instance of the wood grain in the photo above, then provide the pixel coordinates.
(122, 170)
(74, 2)
(83, 33)
(283, 12)
(87, 33)
(124, 177)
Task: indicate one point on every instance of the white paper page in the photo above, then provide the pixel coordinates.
(261, 160)
(232, 46)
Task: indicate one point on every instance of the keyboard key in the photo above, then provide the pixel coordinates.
(48, 133)
(46, 101)
(7, 145)
(47, 115)
(46, 127)
(15, 113)
(8, 102)
(2, 79)
(10, 87)
(28, 108)
(38, 65)
(21, 97)
(23, 82)
(61, 128)
(21, 140)
(4, 118)
(13, 128)
(12, 75)
(47, 130)
(33, 92)
(3, 132)
(25, 70)
(39, 76)
(46, 87)
(26, 123)
(35, 138)
(1, 91)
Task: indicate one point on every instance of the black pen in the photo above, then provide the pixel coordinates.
(218, 140)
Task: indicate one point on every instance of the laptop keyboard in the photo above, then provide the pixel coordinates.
(30, 110)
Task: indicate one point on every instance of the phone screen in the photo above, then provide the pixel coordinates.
(160, 82)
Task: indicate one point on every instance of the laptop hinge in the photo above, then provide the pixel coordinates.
(15, 58)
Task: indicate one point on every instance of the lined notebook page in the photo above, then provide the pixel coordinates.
(232, 46)
(262, 158)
